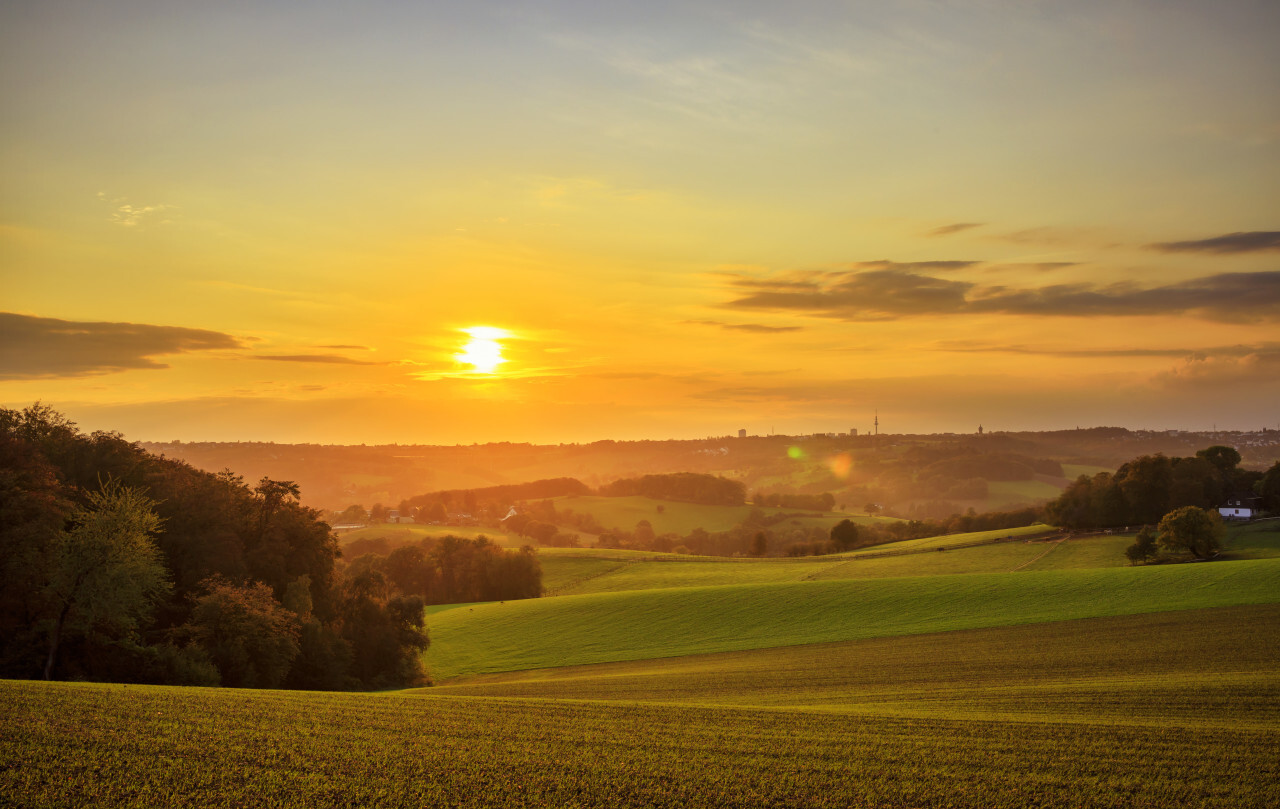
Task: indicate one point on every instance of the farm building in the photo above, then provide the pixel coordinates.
(1240, 506)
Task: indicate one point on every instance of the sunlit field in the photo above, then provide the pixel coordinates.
(638, 624)
(1167, 710)
(1037, 671)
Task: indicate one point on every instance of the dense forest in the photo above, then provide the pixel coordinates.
(121, 565)
(1146, 488)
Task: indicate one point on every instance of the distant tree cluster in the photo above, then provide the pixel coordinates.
(116, 564)
(688, 487)
(807, 502)
(453, 570)
(990, 466)
(1145, 489)
(1188, 529)
(492, 499)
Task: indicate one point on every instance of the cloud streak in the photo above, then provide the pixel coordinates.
(44, 347)
(947, 230)
(892, 294)
(1077, 353)
(758, 328)
(328, 359)
(1245, 242)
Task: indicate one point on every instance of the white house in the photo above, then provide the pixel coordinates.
(1240, 507)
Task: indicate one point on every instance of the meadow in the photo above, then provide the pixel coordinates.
(668, 622)
(1040, 672)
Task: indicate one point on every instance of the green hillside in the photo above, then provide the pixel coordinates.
(633, 625)
(572, 571)
(1206, 668)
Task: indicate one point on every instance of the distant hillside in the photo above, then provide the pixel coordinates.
(915, 475)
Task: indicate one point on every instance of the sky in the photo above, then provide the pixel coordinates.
(450, 223)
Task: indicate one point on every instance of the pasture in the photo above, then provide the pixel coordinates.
(1205, 668)
(638, 624)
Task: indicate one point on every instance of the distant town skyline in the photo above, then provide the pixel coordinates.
(456, 223)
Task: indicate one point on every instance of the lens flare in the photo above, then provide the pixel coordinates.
(840, 465)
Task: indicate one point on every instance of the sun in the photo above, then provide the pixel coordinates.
(483, 352)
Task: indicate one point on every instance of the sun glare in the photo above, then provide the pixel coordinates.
(483, 352)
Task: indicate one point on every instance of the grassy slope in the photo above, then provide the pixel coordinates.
(569, 571)
(1207, 668)
(1005, 493)
(666, 623)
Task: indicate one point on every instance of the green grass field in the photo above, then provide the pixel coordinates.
(571, 571)
(1036, 672)
(1205, 668)
(640, 624)
(1002, 494)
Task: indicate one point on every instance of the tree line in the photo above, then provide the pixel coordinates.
(1144, 490)
(121, 565)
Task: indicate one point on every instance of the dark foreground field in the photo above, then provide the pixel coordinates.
(1008, 717)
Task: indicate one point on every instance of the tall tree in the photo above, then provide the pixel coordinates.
(845, 534)
(1192, 529)
(250, 637)
(105, 573)
(1225, 458)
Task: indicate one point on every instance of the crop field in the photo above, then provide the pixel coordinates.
(80, 744)
(634, 625)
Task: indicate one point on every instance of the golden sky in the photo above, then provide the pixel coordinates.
(455, 223)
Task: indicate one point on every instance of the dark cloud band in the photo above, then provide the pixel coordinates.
(330, 359)
(1251, 242)
(890, 294)
(45, 347)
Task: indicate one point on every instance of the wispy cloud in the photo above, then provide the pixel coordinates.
(1057, 236)
(891, 294)
(329, 359)
(947, 230)
(1252, 371)
(44, 347)
(973, 347)
(1245, 242)
(127, 215)
(759, 328)
(1033, 266)
(913, 266)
